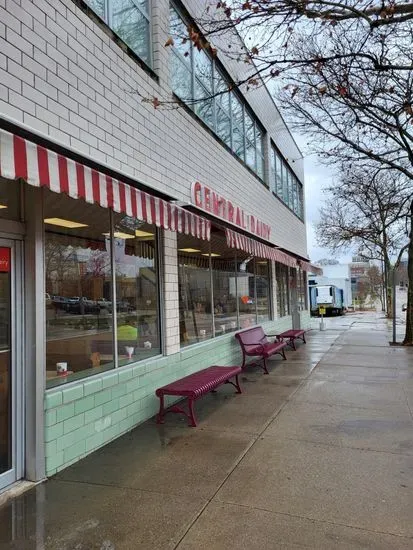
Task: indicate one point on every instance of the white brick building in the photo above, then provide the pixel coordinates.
(73, 76)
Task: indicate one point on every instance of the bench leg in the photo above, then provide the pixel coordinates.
(264, 361)
(239, 390)
(235, 384)
(283, 354)
(304, 339)
(292, 343)
(191, 413)
(159, 418)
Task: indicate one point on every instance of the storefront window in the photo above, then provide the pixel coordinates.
(283, 303)
(137, 318)
(225, 293)
(80, 309)
(262, 270)
(246, 290)
(221, 290)
(302, 290)
(79, 329)
(195, 300)
(10, 199)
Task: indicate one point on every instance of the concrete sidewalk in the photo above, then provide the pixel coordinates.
(319, 454)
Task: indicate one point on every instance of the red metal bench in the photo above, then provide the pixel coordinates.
(195, 386)
(289, 336)
(254, 343)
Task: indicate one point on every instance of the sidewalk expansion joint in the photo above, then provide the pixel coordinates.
(315, 520)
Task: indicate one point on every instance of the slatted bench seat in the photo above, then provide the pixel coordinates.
(254, 343)
(195, 386)
(289, 336)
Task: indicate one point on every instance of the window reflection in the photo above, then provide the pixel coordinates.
(302, 295)
(223, 126)
(98, 6)
(240, 293)
(129, 19)
(79, 329)
(197, 79)
(262, 268)
(285, 184)
(283, 303)
(246, 290)
(136, 289)
(181, 79)
(132, 26)
(225, 292)
(195, 308)
(80, 308)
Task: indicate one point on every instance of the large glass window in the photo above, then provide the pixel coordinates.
(198, 81)
(285, 184)
(220, 289)
(129, 19)
(283, 302)
(137, 306)
(302, 292)
(246, 290)
(224, 284)
(83, 320)
(262, 270)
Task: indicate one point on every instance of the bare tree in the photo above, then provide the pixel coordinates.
(367, 211)
(342, 69)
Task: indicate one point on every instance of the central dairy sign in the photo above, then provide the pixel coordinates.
(207, 199)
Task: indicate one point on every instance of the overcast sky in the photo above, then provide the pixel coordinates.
(317, 176)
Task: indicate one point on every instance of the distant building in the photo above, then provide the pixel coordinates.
(359, 268)
(402, 279)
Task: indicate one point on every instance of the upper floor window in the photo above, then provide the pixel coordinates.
(285, 184)
(130, 20)
(198, 81)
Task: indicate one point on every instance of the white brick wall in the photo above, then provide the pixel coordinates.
(62, 75)
(170, 287)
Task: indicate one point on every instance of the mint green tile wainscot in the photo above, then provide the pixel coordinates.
(90, 413)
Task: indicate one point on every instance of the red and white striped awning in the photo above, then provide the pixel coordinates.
(256, 248)
(306, 266)
(41, 167)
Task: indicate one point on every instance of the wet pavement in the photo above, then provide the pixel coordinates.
(318, 454)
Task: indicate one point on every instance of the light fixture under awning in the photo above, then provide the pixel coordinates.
(41, 167)
(258, 249)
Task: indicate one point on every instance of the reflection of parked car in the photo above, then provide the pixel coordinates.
(59, 302)
(81, 305)
(104, 304)
(404, 307)
(124, 307)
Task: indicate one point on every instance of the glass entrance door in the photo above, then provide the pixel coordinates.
(10, 446)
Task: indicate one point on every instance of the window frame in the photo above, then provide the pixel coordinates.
(239, 316)
(113, 282)
(289, 183)
(218, 69)
(107, 21)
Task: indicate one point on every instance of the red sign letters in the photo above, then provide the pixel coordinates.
(205, 198)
